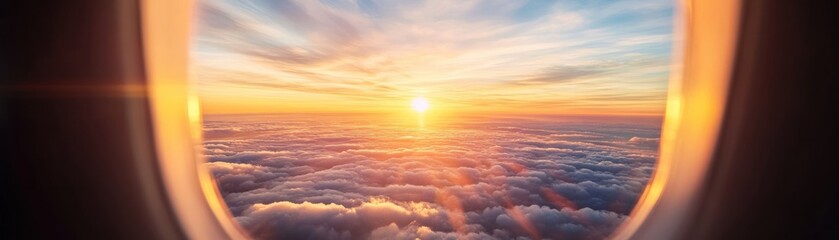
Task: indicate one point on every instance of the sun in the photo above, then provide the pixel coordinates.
(419, 104)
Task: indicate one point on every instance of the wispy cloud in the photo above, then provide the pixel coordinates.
(451, 51)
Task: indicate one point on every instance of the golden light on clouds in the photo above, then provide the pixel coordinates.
(354, 176)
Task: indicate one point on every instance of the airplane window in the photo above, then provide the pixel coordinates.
(484, 119)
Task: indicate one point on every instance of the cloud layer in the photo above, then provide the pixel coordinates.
(351, 177)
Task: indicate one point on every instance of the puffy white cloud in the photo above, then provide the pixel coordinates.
(501, 179)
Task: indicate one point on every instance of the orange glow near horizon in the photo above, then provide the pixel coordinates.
(213, 105)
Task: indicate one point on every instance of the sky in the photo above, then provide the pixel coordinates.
(294, 176)
(495, 57)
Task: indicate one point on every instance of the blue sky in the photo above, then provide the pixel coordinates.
(563, 57)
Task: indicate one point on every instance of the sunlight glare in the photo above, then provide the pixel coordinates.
(419, 104)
